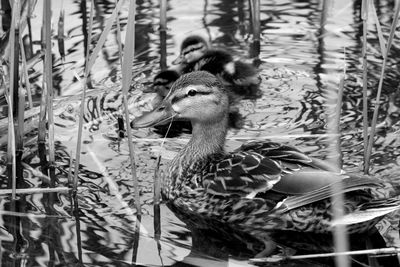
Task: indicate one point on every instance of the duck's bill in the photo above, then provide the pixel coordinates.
(178, 60)
(158, 116)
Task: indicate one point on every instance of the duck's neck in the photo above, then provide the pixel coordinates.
(207, 139)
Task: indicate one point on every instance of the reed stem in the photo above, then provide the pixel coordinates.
(163, 34)
(378, 95)
(364, 17)
(379, 251)
(11, 163)
(104, 34)
(60, 35)
(32, 191)
(340, 236)
(48, 70)
(42, 128)
(13, 100)
(82, 106)
(127, 66)
(255, 10)
(119, 39)
(25, 72)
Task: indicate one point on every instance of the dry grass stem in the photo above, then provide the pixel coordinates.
(382, 42)
(11, 164)
(379, 251)
(104, 34)
(364, 16)
(119, 39)
(340, 236)
(82, 106)
(378, 95)
(30, 191)
(25, 72)
(127, 65)
(48, 74)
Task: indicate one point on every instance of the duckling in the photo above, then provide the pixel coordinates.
(163, 81)
(262, 186)
(241, 78)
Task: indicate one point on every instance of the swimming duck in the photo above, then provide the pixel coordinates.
(162, 83)
(241, 78)
(262, 186)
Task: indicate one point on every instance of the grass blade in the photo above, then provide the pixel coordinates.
(378, 27)
(378, 95)
(25, 73)
(163, 34)
(60, 35)
(82, 106)
(364, 16)
(127, 65)
(48, 73)
(379, 251)
(11, 164)
(104, 34)
(119, 40)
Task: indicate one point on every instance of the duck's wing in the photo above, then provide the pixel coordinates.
(241, 173)
(290, 157)
(347, 184)
(303, 177)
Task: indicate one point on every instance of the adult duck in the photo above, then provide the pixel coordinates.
(162, 83)
(262, 186)
(240, 77)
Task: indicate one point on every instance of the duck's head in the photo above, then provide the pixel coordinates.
(192, 49)
(197, 96)
(163, 81)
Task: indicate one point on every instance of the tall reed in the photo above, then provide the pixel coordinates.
(163, 34)
(88, 65)
(48, 74)
(340, 236)
(119, 40)
(255, 17)
(127, 66)
(11, 164)
(42, 128)
(378, 95)
(60, 35)
(82, 106)
(15, 144)
(25, 72)
(364, 17)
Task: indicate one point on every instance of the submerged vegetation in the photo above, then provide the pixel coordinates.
(29, 128)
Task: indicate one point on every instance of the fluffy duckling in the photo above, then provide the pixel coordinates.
(241, 78)
(163, 81)
(261, 187)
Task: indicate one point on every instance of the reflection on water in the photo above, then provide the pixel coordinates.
(301, 60)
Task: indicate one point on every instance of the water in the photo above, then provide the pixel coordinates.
(301, 61)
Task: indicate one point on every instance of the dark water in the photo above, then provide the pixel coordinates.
(303, 47)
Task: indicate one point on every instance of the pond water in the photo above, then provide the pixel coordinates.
(305, 48)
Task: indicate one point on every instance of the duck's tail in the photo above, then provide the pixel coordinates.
(370, 211)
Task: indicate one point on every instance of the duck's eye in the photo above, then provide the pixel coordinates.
(191, 92)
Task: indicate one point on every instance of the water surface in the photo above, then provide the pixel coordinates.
(306, 46)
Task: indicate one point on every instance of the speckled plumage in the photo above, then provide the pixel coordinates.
(263, 186)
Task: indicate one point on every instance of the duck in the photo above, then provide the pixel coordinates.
(239, 77)
(261, 187)
(162, 83)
